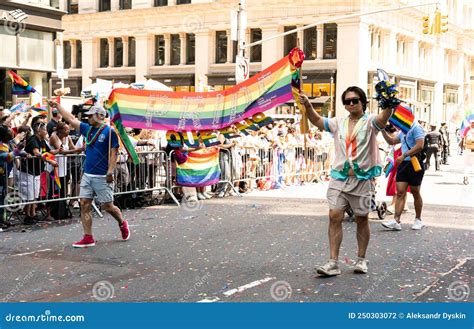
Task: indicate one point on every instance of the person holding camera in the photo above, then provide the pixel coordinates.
(413, 143)
(101, 157)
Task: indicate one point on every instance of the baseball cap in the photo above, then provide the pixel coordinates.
(97, 109)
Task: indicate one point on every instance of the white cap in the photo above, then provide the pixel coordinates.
(97, 109)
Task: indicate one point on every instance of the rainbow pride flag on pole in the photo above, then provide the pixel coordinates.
(19, 86)
(402, 118)
(200, 169)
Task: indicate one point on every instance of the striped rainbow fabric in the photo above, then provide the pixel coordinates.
(186, 111)
(200, 169)
(402, 118)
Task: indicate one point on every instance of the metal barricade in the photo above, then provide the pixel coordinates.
(32, 181)
(273, 168)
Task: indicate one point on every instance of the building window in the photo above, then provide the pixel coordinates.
(290, 40)
(78, 54)
(104, 53)
(131, 51)
(161, 3)
(67, 54)
(310, 43)
(125, 4)
(330, 41)
(159, 50)
(221, 46)
(183, 2)
(73, 6)
(104, 5)
(190, 48)
(255, 51)
(175, 49)
(118, 52)
(54, 3)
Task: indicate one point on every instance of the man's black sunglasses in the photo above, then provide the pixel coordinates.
(348, 101)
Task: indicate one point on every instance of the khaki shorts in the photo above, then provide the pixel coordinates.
(354, 193)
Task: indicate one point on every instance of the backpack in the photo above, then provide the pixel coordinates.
(60, 210)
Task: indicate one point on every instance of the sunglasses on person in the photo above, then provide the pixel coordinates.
(350, 101)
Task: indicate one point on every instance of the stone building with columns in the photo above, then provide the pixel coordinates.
(27, 40)
(186, 45)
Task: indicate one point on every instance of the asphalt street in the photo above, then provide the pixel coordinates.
(260, 247)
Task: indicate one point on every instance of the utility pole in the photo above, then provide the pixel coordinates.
(238, 29)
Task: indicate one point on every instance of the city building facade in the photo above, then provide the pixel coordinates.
(28, 38)
(187, 45)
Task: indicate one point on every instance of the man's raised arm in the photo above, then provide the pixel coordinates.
(312, 115)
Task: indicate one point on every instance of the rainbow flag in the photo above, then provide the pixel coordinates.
(402, 118)
(390, 162)
(465, 127)
(55, 174)
(186, 111)
(200, 169)
(19, 86)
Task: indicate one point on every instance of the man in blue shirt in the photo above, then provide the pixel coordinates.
(98, 177)
(412, 143)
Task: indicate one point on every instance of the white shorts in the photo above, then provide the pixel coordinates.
(29, 186)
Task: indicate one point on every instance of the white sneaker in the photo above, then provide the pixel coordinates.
(392, 225)
(417, 225)
(207, 195)
(360, 266)
(331, 268)
(201, 196)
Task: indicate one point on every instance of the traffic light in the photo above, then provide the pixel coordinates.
(441, 23)
(426, 25)
(444, 23)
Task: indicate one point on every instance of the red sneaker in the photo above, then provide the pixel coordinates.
(87, 241)
(125, 231)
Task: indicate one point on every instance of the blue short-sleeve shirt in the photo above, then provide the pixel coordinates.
(415, 133)
(97, 155)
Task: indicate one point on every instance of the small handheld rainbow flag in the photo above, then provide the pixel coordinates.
(19, 86)
(52, 157)
(402, 118)
(39, 109)
(390, 162)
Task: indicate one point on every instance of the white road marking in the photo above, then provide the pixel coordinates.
(32, 252)
(247, 286)
(209, 300)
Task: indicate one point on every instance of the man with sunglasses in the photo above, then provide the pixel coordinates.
(356, 163)
(98, 177)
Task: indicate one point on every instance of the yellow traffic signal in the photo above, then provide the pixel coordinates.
(426, 25)
(444, 24)
(437, 22)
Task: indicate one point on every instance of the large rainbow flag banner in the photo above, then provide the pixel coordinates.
(200, 169)
(402, 118)
(186, 111)
(206, 111)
